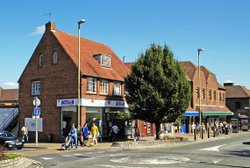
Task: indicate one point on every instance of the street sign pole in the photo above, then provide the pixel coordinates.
(36, 103)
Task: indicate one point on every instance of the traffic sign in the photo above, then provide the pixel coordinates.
(36, 102)
(37, 111)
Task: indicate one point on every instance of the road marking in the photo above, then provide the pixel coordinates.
(216, 161)
(47, 158)
(78, 154)
(66, 155)
(215, 148)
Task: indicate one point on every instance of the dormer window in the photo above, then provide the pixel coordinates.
(103, 59)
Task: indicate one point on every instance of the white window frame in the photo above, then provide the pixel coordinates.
(117, 88)
(104, 87)
(54, 58)
(91, 85)
(36, 88)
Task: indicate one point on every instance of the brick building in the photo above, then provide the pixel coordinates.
(213, 97)
(238, 100)
(51, 75)
(8, 109)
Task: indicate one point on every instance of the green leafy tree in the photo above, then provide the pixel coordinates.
(158, 91)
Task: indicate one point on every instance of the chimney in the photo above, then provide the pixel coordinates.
(50, 26)
(228, 83)
(124, 59)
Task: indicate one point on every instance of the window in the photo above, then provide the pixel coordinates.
(36, 88)
(117, 88)
(203, 93)
(54, 58)
(198, 93)
(40, 60)
(104, 87)
(210, 94)
(223, 96)
(103, 59)
(91, 85)
(237, 105)
(220, 98)
(214, 95)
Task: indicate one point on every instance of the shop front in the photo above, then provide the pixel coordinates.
(104, 113)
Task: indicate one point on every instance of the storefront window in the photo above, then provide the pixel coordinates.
(94, 115)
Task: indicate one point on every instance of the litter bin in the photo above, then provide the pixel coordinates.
(184, 129)
(235, 125)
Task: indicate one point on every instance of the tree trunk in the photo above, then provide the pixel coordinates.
(157, 127)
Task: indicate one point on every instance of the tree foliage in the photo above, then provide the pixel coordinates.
(158, 91)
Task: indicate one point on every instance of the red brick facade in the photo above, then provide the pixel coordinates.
(59, 81)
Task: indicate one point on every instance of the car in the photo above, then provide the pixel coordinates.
(7, 139)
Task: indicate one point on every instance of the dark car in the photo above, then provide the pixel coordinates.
(9, 140)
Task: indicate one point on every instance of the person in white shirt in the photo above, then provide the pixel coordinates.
(25, 133)
(114, 132)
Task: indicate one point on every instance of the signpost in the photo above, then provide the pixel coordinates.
(36, 112)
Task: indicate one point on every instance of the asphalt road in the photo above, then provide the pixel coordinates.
(229, 152)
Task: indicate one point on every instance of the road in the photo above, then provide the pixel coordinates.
(229, 152)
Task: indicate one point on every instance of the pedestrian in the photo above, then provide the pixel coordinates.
(114, 132)
(73, 133)
(25, 133)
(85, 134)
(193, 128)
(79, 135)
(136, 134)
(94, 132)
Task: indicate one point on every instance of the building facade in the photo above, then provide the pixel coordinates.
(52, 75)
(238, 100)
(9, 109)
(212, 97)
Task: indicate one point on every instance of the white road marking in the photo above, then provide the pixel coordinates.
(78, 154)
(216, 161)
(215, 148)
(66, 155)
(47, 158)
(156, 160)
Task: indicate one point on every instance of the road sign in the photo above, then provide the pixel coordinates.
(36, 102)
(37, 111)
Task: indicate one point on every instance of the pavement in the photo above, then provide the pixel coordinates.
(30, 149)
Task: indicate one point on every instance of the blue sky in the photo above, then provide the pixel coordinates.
(221, 27)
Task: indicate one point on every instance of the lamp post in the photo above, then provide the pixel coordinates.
(200, 113)
(79, 73)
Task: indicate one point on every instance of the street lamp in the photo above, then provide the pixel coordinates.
(79, 72)
(200, 113)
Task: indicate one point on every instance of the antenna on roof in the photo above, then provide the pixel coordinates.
(48, 14)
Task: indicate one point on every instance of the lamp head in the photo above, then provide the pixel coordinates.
(200, 49)
(81, 21)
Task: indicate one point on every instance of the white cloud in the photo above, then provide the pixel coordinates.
(10, 85)
(38, 30)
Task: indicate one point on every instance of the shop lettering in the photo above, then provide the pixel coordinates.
(67, 102)
(119, 103)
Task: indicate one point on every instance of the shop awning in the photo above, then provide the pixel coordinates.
(191, 113)
(208, 113)
(217, 113)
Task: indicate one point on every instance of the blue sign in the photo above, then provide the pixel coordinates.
(37, 111)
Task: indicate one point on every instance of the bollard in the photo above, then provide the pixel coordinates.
(194, 134)
(208, 132)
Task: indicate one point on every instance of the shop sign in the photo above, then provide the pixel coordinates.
(103, 103)
(66, 102)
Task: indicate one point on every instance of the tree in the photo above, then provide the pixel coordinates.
(158, 91)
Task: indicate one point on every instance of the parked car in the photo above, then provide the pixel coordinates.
(7, 139)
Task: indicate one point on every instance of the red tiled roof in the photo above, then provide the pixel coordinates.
(189, 68)
(89, 65)
(9, 95)
(237, 91)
